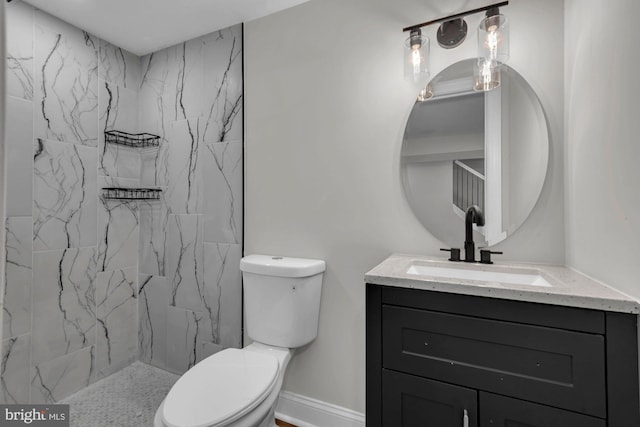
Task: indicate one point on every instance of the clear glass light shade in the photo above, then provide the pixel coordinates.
(486, 75)
(416, 57)
(493, 39)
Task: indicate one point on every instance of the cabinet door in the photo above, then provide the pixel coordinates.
(500, 411)
(409, 401)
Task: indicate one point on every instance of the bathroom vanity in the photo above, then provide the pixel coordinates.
(467, 345)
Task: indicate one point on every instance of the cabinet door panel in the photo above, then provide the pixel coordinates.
(500, 411)
(545, 365)
(409, 401)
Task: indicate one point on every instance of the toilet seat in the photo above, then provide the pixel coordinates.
(220, 389)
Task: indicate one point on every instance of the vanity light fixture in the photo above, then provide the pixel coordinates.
(493, 45)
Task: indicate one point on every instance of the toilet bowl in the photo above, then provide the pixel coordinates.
(232, 388)
(240, 387)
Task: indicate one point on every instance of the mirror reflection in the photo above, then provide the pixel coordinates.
(464, 148)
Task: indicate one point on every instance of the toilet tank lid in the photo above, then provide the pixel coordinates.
(270, 265)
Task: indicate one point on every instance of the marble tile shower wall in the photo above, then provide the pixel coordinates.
(191, 242)
(92, 285)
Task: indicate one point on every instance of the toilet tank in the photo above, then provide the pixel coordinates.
(282, 299)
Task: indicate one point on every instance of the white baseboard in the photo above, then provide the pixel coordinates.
(306, 412)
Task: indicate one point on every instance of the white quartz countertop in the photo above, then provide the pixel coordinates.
(568, 287)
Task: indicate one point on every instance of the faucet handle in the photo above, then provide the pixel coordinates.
(455, 253)
(485, 255)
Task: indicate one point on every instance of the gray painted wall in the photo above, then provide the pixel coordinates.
(326, 105)
(601, 128)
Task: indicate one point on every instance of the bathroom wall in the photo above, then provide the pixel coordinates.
(75, 307)
(70, 300)
(191, 241)
(326, 105)
(2, 152)
(602, 92)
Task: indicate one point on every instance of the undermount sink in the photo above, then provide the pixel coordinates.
(528, 277)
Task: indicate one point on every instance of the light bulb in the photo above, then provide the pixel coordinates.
(492, 43)
(486, 75)
(485, 72)
(416, 59)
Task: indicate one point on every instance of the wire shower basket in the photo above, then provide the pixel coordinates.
(131, 193)
(136, 140)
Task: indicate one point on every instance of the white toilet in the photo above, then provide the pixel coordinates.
(239, 387)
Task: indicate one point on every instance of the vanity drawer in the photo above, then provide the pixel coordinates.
(552, 366)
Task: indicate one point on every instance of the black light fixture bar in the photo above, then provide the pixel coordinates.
(456, 16)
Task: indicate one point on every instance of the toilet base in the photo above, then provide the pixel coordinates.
(267, 421)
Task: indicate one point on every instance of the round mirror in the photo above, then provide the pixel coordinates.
(463, 148)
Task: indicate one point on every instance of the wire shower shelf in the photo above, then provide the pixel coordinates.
(117, 193)
(136, 140)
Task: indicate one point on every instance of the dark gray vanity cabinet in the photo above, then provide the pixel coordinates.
(439, 359)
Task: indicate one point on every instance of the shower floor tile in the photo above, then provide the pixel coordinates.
(128, 398)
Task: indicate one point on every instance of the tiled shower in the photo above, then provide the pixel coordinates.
(94, 284)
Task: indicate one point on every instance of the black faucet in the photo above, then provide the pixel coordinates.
(473, 216)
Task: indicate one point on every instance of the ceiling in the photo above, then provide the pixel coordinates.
(145, 26)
